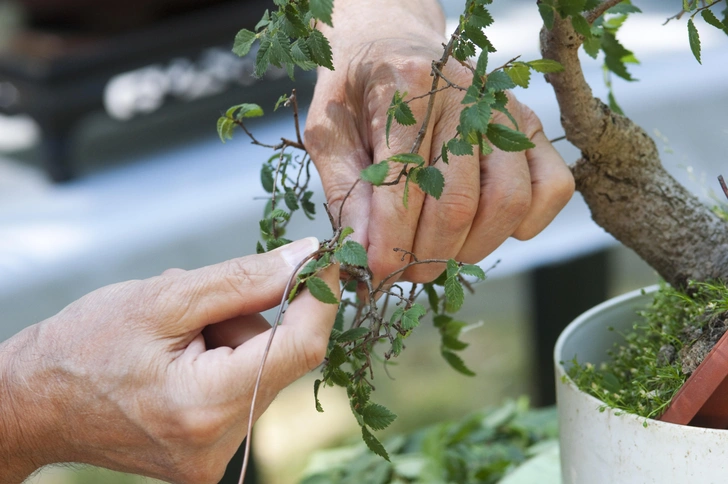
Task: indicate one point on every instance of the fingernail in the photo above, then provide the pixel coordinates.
(296, 251)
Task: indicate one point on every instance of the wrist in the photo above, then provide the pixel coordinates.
(29, 419)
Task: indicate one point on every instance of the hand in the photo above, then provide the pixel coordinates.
(379, 48)
(155, 377)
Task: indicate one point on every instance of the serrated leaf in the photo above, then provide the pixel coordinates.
(259, 249)
(308, 206)
(570, 7)
(614, 54)
(243, 42)
(279, 215)
(443, 154)
(592, 46)
(711, 19)
(411, 158)
(291, 200)
(694, 38)
(337, 376)
(473, 270)
(403, 114)
(352, 253)
(339, 322)
(432, 297)
(453, 268)
(397, 345)
(499, 81)
(374, 444)
(225, 128)
(264, 21)
(454, 294)
(457, 363)
(431, 181)
(273, 244)
(320, 49)
(266, 178)
(452, 343)
(245, 110)
(320, 290)
(623, 9)
(477, 36)
(519, 74)
(316, 387)
(336, 356)
(613, 105)
(581, 26)
(475, 117)
(375, 174)
(377, 417)
(262, 58)
(411, 317)
(405, 194)
(508, 139)
(352, 334)
(459, 147)
(482, 65)
(322, 10)
(345, 232)
(480, 17)
(545, 66)
(547, 15)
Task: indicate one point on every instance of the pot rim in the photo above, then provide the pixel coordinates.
(561, 370)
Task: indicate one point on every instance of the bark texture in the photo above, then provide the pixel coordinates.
(623, 182)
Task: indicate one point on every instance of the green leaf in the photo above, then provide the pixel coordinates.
(443, 154)
(431, 181)
(473, 270)
(403, 114)
(412, 158)
(374, 444)
(243, 42)
(316, 387)
(581, 26)
(614, 54)
(320, 290)
(291, 200)
(246, 110)
(475, 117)
(480, 17)
(508, 139)
(482, 65)
(405, 195)
(301, 55)
(570, 7)
(273, 244)
(322, 10)
(320, 49)
(262, 58)
(259, 248)
(264, 21)
(377, 417)
(225, 128)
(457, 363)
(592, 46)
(337, 376)
(352, 253)
(499, 81)
(547, 15)
(613, 105)
(376, 174)
(711, 19)
(519, 74)
(454, 294)
(411, 317)
(308, 206)
(266, 178)
(545, 66)
(352, 335)
(397, 345)
(336, 356)
(453, 268)
(623, 9)
(345, 232)
(459, 147)
(339, 322)
(432, 297)
(694, 38)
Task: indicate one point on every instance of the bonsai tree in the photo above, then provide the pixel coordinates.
(619, 173)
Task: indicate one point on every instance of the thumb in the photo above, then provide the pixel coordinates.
(232, 288)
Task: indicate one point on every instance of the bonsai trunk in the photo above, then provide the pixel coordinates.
(621, 177)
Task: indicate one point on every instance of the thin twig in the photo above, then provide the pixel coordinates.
(284, 299)
(341, 207)
(723, 185)
(294, 101)
(600, 9)
(560, 138)
(404, 268)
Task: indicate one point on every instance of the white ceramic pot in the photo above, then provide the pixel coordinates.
(604, 448)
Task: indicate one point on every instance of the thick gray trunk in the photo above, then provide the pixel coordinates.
(622, 179)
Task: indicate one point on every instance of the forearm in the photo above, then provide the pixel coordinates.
(25, 438)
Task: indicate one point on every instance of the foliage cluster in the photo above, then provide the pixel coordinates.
(645, 371)
(480, 448)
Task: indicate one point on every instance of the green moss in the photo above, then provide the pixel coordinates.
(645, 370)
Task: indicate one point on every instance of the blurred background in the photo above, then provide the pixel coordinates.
(111, 169)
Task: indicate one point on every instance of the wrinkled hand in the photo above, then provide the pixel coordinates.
(486, 199)
(155, 377)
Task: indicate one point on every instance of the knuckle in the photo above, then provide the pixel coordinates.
(457, 211)
(312, 350)
(511, 200)
(200, 428)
